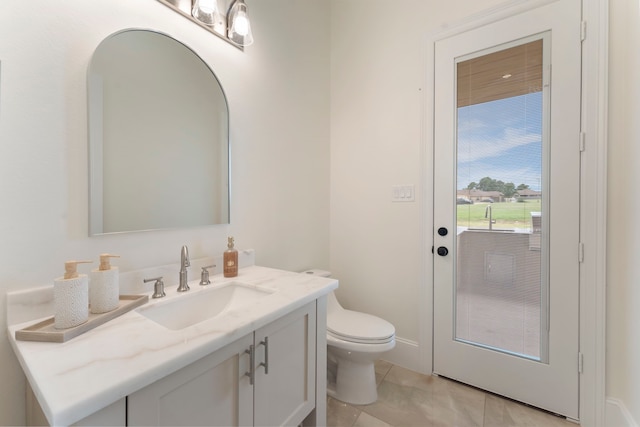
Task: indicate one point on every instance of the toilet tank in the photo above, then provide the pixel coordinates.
(332, 301)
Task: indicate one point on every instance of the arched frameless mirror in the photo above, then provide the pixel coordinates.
(158, 136)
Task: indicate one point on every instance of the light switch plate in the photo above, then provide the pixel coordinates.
(403, 193)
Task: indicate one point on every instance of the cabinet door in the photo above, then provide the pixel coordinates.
(212, 391)
(286, 394)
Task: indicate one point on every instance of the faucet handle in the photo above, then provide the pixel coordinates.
(204, 276)
(158, 287)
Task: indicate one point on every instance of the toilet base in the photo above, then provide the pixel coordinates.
(355, 382)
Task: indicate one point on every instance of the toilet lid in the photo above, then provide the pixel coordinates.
(359, 327)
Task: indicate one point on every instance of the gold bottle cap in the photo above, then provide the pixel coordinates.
(71, 268)
(104, 261)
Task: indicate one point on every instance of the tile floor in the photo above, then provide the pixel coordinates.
(407, 398)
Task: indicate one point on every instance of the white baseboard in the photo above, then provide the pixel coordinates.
(406, 354)
(617, 415)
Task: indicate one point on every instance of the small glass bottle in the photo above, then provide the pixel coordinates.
(230, 260)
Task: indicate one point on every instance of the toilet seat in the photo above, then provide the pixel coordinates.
(356, 327)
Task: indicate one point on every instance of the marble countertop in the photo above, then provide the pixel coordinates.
(74, 379)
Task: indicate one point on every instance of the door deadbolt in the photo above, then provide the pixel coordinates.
(442, 251)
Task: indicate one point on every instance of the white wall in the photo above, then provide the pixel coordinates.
(378, 62)
(279, 98)
(378, 80)
(623, 228)
(279, 105)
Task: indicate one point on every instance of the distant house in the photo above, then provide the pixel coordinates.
(528, 194)
(481, 196)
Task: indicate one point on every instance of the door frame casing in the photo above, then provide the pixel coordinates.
(593, 197)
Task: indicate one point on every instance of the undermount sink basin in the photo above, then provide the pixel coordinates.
(196, 306)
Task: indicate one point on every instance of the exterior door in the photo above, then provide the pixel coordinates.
(506, 208)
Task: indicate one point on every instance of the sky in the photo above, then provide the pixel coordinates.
(502, 140)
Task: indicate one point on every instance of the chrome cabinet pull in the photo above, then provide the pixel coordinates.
(265, 343)
(251, 373)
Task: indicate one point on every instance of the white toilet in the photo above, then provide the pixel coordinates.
(354, 342)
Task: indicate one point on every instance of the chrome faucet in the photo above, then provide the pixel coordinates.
(184, 263)
(488, 213)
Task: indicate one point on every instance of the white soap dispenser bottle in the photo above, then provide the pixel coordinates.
(71, 297)
(104, 290)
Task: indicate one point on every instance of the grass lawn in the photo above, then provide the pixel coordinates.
(506, 215)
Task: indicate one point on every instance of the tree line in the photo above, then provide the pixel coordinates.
(508, 189)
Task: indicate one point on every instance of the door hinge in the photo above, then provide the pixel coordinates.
(583, 31)
(580, 363)
(583, 141)
(546, 78)
(580, 252)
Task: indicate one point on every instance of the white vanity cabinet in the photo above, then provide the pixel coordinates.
(284, 388)
(113, 415)
(218, 390)
(133, 371)
(210, 391)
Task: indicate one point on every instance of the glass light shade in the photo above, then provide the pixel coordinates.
(238, 24)
(206, 11)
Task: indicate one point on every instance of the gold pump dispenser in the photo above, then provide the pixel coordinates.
(71, 268)
(105, 263)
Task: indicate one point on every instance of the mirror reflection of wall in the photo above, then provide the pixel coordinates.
(158, 136)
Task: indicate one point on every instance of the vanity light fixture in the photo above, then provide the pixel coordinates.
(234, 27)
(207, 12)
(238, 24)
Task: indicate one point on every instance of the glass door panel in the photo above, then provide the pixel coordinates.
(501, 284)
